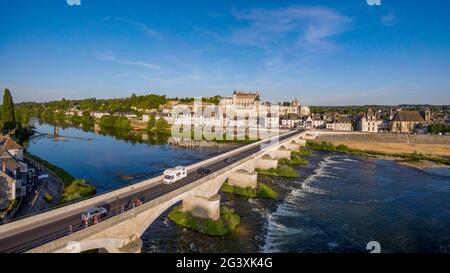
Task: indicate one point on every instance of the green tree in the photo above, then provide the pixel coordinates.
(151, 123)
(8, 120)
(86, 118)
(162, 126)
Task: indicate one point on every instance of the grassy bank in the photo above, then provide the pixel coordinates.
(65, 177)
(76, 190)
(301, 152)
(283, 170)
(73, 188)
(262, 191)
(409, 157)
(227, 222)
(295, 160)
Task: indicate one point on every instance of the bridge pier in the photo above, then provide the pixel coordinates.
(282, 152)
(134, 246)
(244, 179)
(203, 207)
(301, 142)
(266, 162)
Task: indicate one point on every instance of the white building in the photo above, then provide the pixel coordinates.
(318, 123)
(369, 122)
(99, 115)
(343, 124)
(289, 121)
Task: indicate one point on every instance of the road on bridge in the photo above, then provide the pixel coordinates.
(58, 228)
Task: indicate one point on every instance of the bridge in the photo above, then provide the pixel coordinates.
(62, 230)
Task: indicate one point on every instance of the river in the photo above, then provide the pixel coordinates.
(338, 204)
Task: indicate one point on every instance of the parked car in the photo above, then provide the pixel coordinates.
(175, 174)
(203, 171)
(230, 160)
(92, 212)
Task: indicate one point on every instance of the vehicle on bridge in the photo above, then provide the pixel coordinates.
(230, 160)
(91, 213)
(175, 174)
(203, 171)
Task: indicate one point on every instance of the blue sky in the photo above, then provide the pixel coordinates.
(323, 52)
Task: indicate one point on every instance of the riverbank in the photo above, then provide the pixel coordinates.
(283, 170)
(262, 191)
(227, 222)
(431, 145)
(74, 189)
(414, 159)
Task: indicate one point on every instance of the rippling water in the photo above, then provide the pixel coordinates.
(339, 204)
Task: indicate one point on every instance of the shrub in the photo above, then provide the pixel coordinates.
(78, 189)
(48, 197)
(283, 170)
(227, 222)
(266, 192)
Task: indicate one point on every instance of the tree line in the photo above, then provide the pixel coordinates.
(12, 120)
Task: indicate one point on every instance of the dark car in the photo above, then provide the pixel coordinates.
(204, 171)
(230, 160)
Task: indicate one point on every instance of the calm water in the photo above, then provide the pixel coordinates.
(108, 162)
(339, 203)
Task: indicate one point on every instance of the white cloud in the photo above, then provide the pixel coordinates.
(141, 64)
(374, 2)
(148, 31)
(109, 57)
(389, 19)
(73, 2)
(310, 28)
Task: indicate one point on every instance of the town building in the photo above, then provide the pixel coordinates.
(369, 122)
(318, 123)
(13, 172)
(342, 124)
(99, 115)
(289, 121)
(406, 122)
(306, 123)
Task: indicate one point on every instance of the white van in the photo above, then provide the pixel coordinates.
(175, 174)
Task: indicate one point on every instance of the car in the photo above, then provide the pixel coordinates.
(203, 171)
(230, 160)
(93, 212)
(175, 174)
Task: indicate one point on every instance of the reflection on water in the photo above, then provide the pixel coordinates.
(339, 204)
(111, 158)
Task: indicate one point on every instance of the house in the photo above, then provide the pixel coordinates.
(12, 147)
(7, 191)
(342, 124)
(318, 123)
(306, 123)
(369, 122)
(406, 122)
(289, 121)
(13, 171)
(99, 114)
